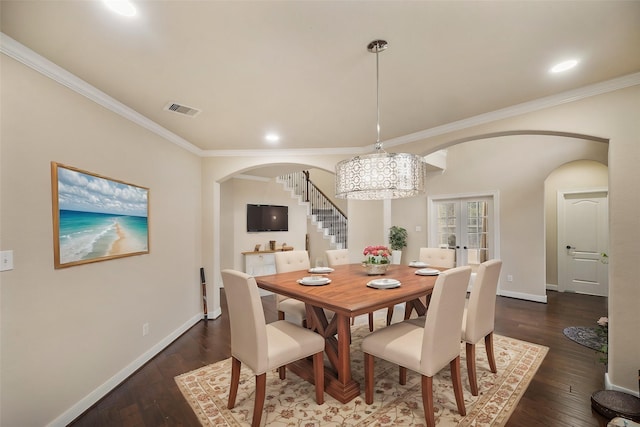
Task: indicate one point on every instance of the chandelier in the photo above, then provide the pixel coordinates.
(380, 175)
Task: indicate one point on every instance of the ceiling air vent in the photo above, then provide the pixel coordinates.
(182, 109)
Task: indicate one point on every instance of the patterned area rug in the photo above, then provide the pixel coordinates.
(585, 336)
(292, 402)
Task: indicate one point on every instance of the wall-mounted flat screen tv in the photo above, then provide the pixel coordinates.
(267, 218)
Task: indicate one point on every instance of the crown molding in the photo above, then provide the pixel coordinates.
(519, 109)
(28, 57)
(288, 152)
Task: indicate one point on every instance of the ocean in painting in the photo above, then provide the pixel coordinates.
(89, 235)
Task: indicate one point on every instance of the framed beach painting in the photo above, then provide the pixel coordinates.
(96, 218)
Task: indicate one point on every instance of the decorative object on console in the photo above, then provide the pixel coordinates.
(380, 175)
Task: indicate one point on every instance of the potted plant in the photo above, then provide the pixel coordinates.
(397, 241)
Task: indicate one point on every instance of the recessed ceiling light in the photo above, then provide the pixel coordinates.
(272, 137)
(564, 66)
(121, 7)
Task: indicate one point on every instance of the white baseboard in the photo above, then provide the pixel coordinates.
(520, 295)
(552, 287)
(97, 394)
(216, 313)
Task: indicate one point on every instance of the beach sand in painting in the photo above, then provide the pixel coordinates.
(121, 244)
(125, 243)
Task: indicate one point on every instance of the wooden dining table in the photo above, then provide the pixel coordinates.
(347, 296)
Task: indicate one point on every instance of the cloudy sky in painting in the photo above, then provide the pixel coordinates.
(81, 192)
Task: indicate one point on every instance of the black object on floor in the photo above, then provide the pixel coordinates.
(611, 404)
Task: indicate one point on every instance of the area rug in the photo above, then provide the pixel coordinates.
(586, 336)
(291, 402)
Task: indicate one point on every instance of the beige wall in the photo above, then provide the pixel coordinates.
(497, 164)
(572, 176)
(246, 191)
(70, 335)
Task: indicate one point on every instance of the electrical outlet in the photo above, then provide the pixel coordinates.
(6, 260)
(509, 278)
(145, 329)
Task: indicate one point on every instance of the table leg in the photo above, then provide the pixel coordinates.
(343, 388)
(421, 309)
(338, 381)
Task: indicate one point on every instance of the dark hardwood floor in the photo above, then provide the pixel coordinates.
(559, 394)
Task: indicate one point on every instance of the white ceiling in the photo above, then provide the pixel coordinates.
(301, 68)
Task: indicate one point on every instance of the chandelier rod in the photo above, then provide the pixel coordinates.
(378, 144)
(376, 47)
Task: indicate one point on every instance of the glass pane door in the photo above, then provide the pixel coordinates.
(464, 225)
(476, 245)
(448, 213)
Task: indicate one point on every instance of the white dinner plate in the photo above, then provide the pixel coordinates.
(384, 283)
(314, 281)
(320, 270)
(418, 264)
(428, 272)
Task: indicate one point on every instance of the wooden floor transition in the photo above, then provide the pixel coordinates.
(559, 394)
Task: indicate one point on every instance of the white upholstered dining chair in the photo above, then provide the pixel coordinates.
(479, 317)
(263, 347)
(427, 348)
(438, 257)
(337, 257)
(291, 261)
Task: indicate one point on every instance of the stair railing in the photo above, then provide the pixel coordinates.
(333, 219)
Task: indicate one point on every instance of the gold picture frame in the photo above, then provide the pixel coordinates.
(96, 218)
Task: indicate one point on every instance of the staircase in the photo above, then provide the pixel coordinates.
(321, 210)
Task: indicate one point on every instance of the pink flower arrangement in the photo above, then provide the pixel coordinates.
(376, 255)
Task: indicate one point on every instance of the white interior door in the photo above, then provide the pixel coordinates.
(583, 237)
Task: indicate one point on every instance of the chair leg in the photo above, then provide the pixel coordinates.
(282, 372)
(427, 400)
(488, 343)
(457, 385)
(258, 404)
(471, 368)
(368, 378)
(318, 375)
(371, 322)
(402, 379)
(235, 380)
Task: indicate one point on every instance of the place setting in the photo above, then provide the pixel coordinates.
(384, 283)
(427, 272)
(314, 281)
(321, 270)
(418, 264)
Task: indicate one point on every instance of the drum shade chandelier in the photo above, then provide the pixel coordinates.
(380, 175)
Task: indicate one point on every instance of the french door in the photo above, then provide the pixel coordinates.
(465, 224)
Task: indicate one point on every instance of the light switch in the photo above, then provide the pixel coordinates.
(6, 260)
(418, 228)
